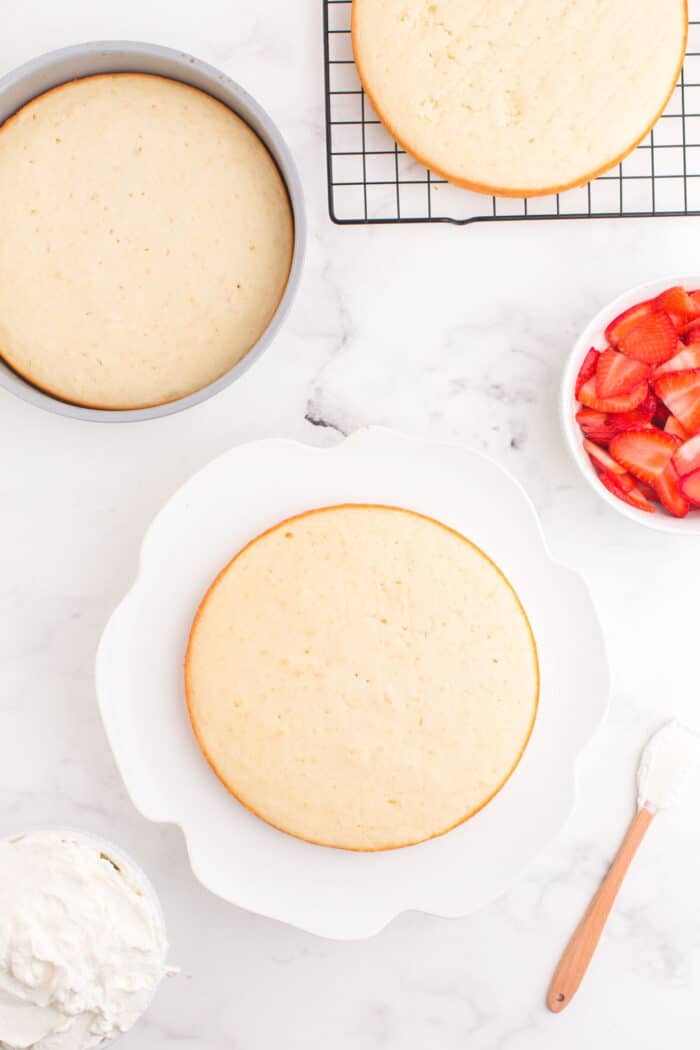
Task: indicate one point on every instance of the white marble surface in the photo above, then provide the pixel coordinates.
(456, 333)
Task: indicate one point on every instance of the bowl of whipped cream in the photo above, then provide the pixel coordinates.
(83, 942)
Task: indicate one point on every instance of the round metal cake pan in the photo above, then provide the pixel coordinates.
(82, 60)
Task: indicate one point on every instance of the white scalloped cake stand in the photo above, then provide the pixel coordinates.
(330, 892)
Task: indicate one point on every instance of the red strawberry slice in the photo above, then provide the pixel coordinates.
(596, 426)
(690, 487)
(617, 374)
(679, 305)
(687, 459)
(632, 496)
(644, 413)
(588, 396)
(602, 426)
(672, 426)
(648, 491)
(644, 453)
(687, 357)
(601, 459)
(587, 369)
(624, 480)
(652, 339)
(691, 333)
(668, 487)
(660, 416)
(680, 392)
(626, 321)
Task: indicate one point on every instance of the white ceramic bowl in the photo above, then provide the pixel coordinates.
(131, 871)
(338, 893)
(594, 335)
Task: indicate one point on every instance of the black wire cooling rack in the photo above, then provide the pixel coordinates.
(372, 180)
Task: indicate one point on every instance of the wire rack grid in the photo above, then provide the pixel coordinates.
(372, 180)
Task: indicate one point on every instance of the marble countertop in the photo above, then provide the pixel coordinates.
(435, 330)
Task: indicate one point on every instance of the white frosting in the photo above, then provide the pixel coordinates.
(82, 944)
(671, 754)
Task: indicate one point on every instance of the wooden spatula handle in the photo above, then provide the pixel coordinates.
(579, 951)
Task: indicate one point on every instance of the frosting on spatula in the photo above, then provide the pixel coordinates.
(667, 760)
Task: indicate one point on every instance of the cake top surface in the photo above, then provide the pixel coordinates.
(147, 240)
(519, 97)
(362, 677)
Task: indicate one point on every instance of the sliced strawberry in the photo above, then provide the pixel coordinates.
(596, 425)
(601, 459)
(624, 480)
(680, 392)
(687, 459)
(587, 369)
(632, 496)
(643, 453)
(687, 357)
(588, 396)
(668, 487)
(672, 426)
(652, 339)
(679, 305)
(648, 491)
(617, 374)
(637, 499)
(691, 333)
(602, 426)
(643, 413)
(660, 416)
(690, 487)
(627, 320)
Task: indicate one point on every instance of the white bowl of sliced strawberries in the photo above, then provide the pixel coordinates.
(631, 404)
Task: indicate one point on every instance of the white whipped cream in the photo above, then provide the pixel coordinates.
(82, 944)
(667, 760)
